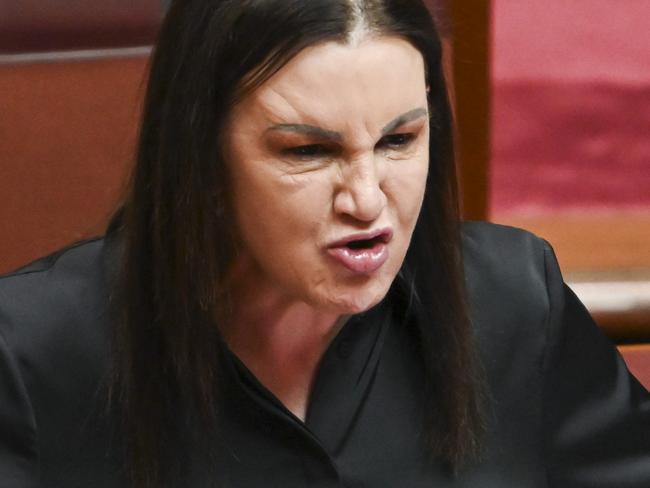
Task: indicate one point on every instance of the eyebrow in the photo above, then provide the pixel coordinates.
(336, 136)
(416, 113)
(311, 130)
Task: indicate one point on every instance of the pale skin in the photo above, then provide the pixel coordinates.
(335, 143)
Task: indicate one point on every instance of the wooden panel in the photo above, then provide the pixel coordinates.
(591, 240)
(470, 23)
(637, 358)
(66, 141)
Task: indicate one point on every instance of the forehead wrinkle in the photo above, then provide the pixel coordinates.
(288, 116)
(275, 106)
(288, 113)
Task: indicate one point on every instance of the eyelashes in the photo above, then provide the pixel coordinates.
(308, 151)
(390, 142)
(396, 141)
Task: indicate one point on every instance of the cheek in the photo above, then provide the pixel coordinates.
(298, 207)
(405, 187)
(282, 216)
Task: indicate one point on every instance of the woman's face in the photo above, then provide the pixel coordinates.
(328, 160)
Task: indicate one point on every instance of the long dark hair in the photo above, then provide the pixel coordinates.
(177, 227)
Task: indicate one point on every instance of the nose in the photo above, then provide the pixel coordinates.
(360, 194)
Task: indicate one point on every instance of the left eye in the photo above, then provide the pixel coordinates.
(395, 141)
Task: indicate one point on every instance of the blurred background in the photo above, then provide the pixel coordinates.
(570, 152)
(552, 101)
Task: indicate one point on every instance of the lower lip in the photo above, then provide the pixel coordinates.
(362, 261)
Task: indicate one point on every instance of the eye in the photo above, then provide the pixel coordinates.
(396, 141)
(308, 151)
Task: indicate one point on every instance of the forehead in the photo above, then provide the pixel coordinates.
(337, 84)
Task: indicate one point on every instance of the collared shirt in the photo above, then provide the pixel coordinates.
(363, 421)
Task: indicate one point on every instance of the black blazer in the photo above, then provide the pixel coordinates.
(564, 410)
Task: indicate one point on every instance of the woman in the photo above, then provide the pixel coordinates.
(287, 297)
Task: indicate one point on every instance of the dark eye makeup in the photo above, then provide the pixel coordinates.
(396, 141)
(308, 151)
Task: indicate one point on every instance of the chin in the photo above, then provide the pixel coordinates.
(354, 301)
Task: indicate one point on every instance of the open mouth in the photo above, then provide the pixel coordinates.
(362, 253)
(366, 243)
(366, 240)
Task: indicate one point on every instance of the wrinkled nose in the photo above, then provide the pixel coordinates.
(360, 194)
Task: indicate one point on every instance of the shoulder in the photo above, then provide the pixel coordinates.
(499, 244)
(56, 280)
(71, 261)
(507, 260)
(514, 286)
(56, 308)
(54, 360)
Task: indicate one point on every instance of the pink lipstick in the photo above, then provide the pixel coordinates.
(362, 253)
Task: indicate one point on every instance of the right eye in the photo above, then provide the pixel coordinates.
(308, 151)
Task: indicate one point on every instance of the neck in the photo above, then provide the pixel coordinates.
(281, 341)
(288, 331)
